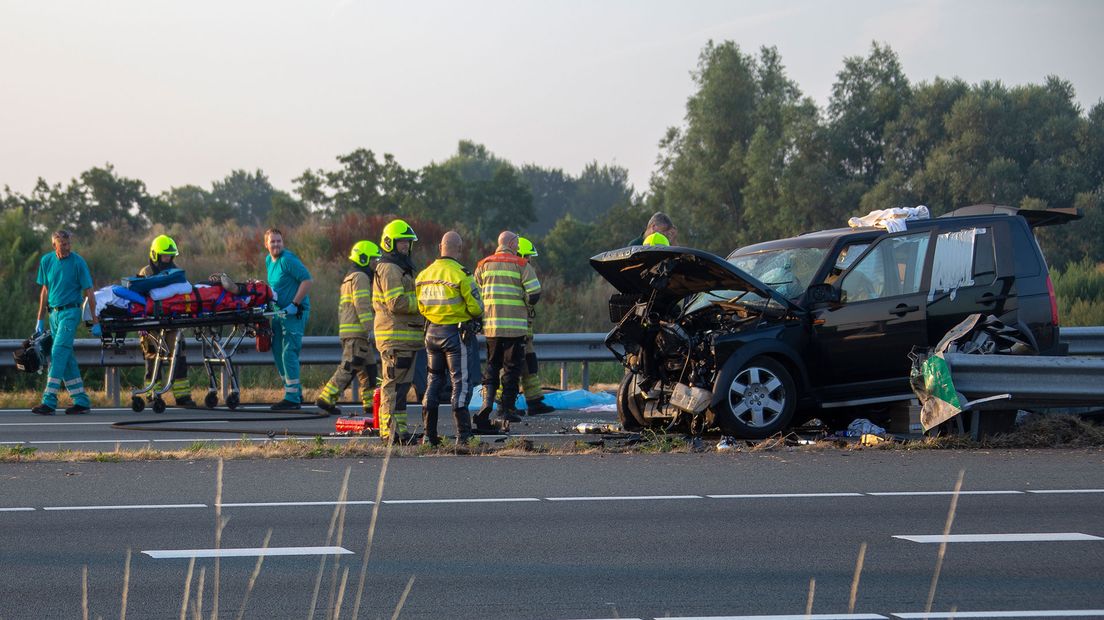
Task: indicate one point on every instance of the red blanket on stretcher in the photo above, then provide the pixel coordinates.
(205, 300)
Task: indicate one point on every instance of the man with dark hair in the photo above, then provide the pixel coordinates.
(290, 280)
(660, 223)
(64, 278)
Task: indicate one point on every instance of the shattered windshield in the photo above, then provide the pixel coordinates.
(788, 271)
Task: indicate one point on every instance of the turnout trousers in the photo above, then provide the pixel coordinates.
(505, 356)
(151, 348)
(449, 350)
(63, 364)
(287, 341)
(397, 371)
(358, 359)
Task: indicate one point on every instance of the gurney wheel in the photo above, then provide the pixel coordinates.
(211, 400)
(158, 405)
(233, 400)
(137, 404)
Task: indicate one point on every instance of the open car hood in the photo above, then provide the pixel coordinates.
(675, 273)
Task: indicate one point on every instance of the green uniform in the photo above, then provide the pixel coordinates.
(65, 280)
(285, 274)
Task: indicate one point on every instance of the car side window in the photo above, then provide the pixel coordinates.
(963, 258)
(893, 267)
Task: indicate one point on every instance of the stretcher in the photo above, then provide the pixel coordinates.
(219, 334)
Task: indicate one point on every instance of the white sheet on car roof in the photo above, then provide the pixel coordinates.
(893, 220)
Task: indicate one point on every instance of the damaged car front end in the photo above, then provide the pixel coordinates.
(704, 343)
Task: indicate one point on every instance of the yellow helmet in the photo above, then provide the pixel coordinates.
(526, 249)
(163, 244)
(395, 230)
(363, 252)
(657, 239)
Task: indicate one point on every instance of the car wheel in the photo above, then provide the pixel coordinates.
(629, 403)
(760, 401)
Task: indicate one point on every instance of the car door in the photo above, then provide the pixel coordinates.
(862, 343)
(967, 276)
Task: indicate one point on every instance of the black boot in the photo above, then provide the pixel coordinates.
(463, 425)
(429, 424)
(537, 406)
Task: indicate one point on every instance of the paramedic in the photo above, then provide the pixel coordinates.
(291, 282)
(64, 277)
(661, 223)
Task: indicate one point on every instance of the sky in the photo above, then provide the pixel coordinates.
(183, 92)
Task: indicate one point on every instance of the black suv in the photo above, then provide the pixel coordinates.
(815, 322)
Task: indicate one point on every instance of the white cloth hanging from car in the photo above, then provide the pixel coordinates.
(892, 220)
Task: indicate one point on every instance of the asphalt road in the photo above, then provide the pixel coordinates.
(614, 536)
(93, 431)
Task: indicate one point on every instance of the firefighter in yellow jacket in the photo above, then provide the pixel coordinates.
(162, 256)
(449, 299)
(530, 380)
(355, 318)
(509, 287)
(399, 328)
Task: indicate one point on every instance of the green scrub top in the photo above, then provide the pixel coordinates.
(64, 278)
(284, 276)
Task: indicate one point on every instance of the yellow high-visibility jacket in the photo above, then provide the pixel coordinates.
(354, 311)
(447, 293)
(509, 287)
(398, 326)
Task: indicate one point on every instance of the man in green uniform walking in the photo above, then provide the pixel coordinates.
(291, 281)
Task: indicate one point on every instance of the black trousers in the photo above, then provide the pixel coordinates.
(505, 357)
(449, 351)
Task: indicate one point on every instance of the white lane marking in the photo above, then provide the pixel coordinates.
(902, 493)
(265, 504)
(620, 497)
(485, 500)
(17, 509)
(783, 495)
(126, 507)
(786, 617)
(1041, 613)
(164, 554)
(986, 538)
(1066, 491)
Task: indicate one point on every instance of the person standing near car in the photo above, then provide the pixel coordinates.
(398, 326)
(449, 299)
(64, 278)
(509, 287)
(530, 380)
(355, 318)
(660, 223)
(290, 280)
(162, 256)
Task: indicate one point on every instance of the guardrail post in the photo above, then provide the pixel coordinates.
(586, 375)
(563, 375)
(225, 384)
(111, 385)
(356, 389)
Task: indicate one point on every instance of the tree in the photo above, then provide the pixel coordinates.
(246, 197)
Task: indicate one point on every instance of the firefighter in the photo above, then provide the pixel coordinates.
(64, 278)
(509, 287)
(449, 299)
(162, 256)
(661, 223)
(355, 317)
(530, 380)
(398, 326)
(290, 280)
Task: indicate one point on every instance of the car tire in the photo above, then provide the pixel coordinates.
(629, 402)
(760, 402)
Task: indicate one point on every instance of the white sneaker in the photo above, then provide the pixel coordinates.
(726, 443)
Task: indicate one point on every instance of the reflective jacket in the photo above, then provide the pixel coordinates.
(447, 293)
(398, 326)
(354, 311)
(509, 287)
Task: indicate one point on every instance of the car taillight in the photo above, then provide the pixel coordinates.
(1053, 302)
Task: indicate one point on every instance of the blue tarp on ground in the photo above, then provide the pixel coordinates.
(567, 399)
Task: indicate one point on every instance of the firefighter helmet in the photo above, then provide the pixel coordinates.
(526, 249)
(394, 231)
(657, 239)
(363, 252)
(163, 244)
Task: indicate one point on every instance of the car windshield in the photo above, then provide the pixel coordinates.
(786, 270)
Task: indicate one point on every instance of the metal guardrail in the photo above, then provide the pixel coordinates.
(973, 374)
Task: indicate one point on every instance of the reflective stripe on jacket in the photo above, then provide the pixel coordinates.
(397, 326)
(447, 293)
(354, 311)
(509, 286)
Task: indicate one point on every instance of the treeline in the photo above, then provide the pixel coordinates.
(754, 159)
